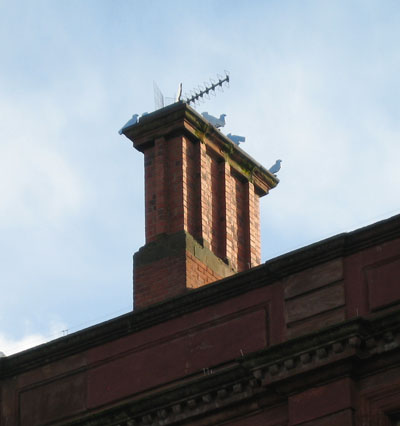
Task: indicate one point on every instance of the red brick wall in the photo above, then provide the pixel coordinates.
(327, 405)
(314, 298)
(254, 225)
(343, 288)
(189, 187)
(242, 220)
(375, 277)
(218, 208)
(198, 273)
(231, 217)
(176, 182)
(159, 280)
(169, 277)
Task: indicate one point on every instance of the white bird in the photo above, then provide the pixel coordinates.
(236, 138)
(179, 93)
(129, 123)
(217, 122)
(276, 167)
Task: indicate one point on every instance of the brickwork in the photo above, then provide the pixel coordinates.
(212, 201)
(158, 281)
(206, 195)
(218, 208)
(254, 225)
(242, 221)
(191, 186)
(176, 181)
(231, 217)
(150, 195)
(198, 273)
(314, 298)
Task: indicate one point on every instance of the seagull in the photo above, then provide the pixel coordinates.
(217, 122)
(130, 123)
(179, 93)
(276, 167)
(236, 138)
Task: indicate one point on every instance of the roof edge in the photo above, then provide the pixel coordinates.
(266, 274)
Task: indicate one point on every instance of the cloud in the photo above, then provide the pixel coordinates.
(12, 345)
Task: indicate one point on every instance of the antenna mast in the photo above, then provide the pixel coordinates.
(208, 89)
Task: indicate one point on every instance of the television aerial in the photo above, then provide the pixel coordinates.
(203, 92)
(195, 96)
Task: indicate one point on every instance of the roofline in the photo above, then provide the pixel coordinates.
(266, 274)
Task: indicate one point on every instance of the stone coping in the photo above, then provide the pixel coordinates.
(180, 117)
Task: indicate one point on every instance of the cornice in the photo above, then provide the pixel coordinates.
(271, 374)
(181, 118)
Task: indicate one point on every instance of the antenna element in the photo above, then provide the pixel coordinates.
(208, 89)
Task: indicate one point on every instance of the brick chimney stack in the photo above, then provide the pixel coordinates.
(201, 201)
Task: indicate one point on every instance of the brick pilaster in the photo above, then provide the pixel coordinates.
(206, 196)
(254, 226)
(231, 217)
(176, 183)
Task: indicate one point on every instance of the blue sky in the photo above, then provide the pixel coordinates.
(314, 83)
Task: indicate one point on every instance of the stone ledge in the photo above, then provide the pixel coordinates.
(173, 244)
(343, 347)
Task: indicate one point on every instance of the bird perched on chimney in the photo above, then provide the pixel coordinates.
(236, 138)
(276, 167)
(217, 122)
(130, 123)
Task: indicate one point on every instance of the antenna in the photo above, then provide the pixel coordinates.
(198, 94)
(158, 97)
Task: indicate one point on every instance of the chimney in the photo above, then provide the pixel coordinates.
(201, 204)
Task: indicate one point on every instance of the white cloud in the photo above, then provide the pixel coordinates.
(12, 345)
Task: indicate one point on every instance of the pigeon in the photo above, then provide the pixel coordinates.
(236, 138)
(2, 354)
(217, 122)
(130, 123)
(276, 167)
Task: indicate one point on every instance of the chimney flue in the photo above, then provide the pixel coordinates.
(201, 204)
